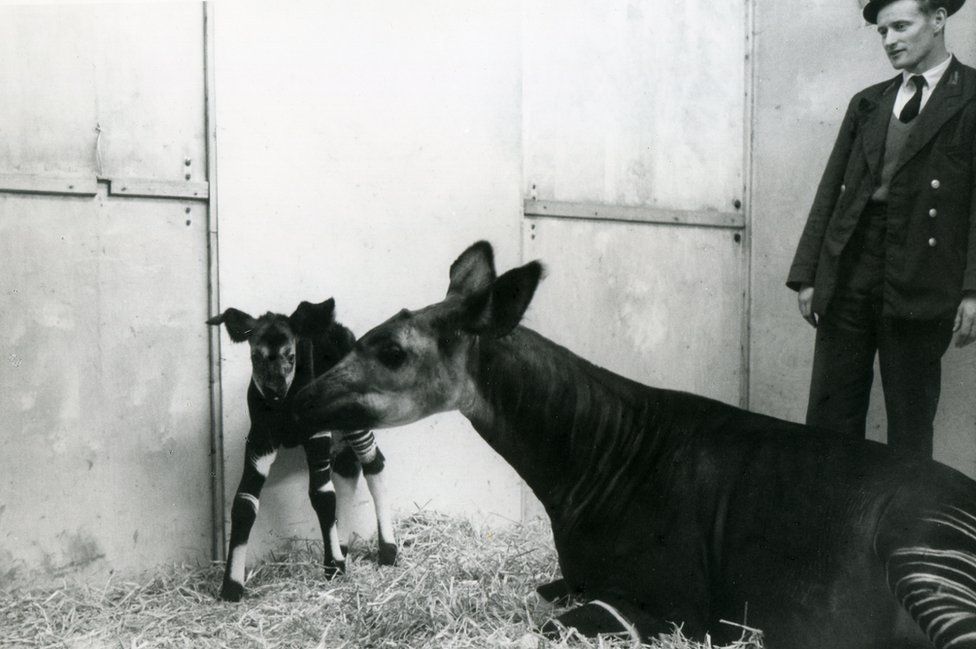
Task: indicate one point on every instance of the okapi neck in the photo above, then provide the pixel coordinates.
(573, 431)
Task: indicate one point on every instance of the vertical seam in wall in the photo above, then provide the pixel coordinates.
(748, 182)
(213, 291)
(521, 144)
(525, 492)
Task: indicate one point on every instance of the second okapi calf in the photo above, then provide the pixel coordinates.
(287, 353)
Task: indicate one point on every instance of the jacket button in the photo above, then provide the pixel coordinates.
(932, 242)
(936, 184)
(843, 188)
(933, 212)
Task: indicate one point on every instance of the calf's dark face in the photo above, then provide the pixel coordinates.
(273, 348)
(273, 339)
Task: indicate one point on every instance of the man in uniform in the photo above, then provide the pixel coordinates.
(887, 260)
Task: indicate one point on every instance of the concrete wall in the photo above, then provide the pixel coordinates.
(361, 148)
(810, 58)
(635, 102)
(103, 361)
(602, 127)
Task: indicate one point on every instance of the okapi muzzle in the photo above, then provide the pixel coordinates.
(399, 372)
(336, 400)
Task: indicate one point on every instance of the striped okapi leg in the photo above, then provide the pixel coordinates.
(321, 491)
(243, 513)
(372, 460)
(934, 577)
(346, 472)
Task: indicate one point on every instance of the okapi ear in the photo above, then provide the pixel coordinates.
(309, 318)
(497, 310)
(239, 324)
(473, 270)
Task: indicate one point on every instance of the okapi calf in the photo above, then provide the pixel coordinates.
(287, 352)
(670, 507)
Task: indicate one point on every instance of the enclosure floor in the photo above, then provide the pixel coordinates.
(454, 586)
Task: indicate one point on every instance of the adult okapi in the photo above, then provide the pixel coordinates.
(670, 507)
(287, 352)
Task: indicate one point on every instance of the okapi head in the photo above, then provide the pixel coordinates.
(421, 362)
(274, 341)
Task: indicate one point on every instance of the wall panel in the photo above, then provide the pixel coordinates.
(607, 297)
(103, 384)
(120, 95)
(634, 103)
(104, 370)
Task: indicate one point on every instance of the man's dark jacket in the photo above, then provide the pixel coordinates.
(929, 260)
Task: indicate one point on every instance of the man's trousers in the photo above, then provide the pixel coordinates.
(853, 330)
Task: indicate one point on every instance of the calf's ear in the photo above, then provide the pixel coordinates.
(498, 309)
(311, 318)
(473, 270)
(239, 324)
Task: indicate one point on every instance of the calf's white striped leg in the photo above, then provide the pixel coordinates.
(345, 475)
(321, 492)
(373, 462)
(243, 513)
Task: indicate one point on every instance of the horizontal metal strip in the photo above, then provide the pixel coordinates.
(41, 184)
(158, 189)
(88, 186)
(600, 211)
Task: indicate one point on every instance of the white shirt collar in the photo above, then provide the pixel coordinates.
(932, 75)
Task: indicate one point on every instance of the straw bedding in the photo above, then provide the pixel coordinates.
(455, 586)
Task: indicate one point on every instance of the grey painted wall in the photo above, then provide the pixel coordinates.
(104, 405)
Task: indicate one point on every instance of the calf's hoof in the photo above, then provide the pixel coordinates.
(334, 568)
(387, 554)
(231, 591)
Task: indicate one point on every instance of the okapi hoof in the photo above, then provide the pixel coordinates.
(589, 620)
(334, 568)
(556, 592)
(231, 591)
(388, 554)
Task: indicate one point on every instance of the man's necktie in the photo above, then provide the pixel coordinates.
(910, 111)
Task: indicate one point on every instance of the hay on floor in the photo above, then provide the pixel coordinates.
(455, 586)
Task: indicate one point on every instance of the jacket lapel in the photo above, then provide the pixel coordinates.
(875, 114)
(947, 99)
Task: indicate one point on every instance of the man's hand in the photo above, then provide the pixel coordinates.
(805, 301)
(965, 323)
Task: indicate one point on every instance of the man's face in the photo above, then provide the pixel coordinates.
(909, 36)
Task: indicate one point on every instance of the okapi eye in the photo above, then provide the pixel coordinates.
(391, 355)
